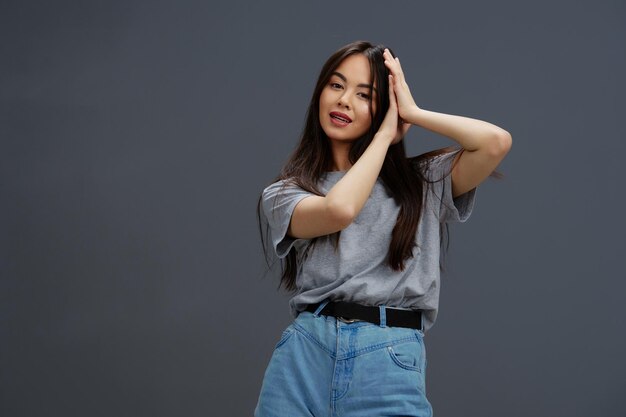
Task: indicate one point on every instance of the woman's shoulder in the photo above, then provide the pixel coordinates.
(278, 185)
(288, 187)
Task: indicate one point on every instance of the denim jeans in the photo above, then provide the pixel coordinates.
(325, 367)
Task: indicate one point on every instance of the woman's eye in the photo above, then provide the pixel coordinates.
(335, 85)
(365, 96)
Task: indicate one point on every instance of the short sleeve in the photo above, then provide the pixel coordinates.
(279, 200)
(451, 210)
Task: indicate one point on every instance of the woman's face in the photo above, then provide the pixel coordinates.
(345, 100)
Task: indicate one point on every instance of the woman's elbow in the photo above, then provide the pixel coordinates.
(342, 215)
(500, 145)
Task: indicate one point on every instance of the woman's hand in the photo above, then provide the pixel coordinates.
(392, 126)
(406, 105)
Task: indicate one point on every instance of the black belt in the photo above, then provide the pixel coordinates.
(394, 317)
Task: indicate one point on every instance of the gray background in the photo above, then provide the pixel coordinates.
(137, 136)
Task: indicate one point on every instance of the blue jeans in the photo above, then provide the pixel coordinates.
(325, 367)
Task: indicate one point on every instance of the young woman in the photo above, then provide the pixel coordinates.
(358, 226)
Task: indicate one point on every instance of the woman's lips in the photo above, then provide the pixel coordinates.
(340, 119)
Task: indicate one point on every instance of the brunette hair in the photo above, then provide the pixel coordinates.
(402, 177)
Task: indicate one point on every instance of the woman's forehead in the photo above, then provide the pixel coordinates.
(355, 69)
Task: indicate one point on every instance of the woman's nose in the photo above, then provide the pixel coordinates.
(343, 101)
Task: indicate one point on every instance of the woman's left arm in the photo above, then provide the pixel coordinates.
(485, 145)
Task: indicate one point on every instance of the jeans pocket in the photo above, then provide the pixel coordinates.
(285, 336)
(407, 354)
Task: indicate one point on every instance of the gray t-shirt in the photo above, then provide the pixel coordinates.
(358, 272)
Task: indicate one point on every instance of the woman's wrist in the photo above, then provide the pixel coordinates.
(413, 115)
(383, 137)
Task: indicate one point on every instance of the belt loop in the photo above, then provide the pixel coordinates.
(422, 320)
(320, 308)
(383, 316)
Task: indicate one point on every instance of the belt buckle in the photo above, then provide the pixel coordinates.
(345, 320)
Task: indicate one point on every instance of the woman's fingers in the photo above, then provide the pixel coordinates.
(393, 64)
(392, 93)
(397, 74)
(389, 125)
(399, 126)
(404, 100)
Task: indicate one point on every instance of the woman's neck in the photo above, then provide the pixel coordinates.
(341, 151)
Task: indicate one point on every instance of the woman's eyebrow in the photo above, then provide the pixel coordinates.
(343, 77)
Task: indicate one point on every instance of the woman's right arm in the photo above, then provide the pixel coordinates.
(316, 216)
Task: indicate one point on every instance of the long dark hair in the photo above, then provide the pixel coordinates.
(403, 177)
